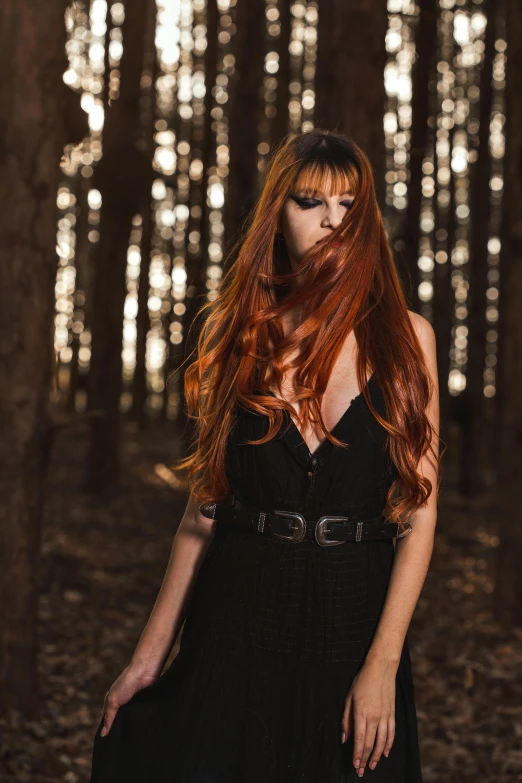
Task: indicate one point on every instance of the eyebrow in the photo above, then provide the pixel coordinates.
(308, 190)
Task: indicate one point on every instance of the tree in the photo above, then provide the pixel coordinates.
(139, 381)
(245, 113)
(472, 402)
(423, 68)
(197, 267)
(351, 56)
(33, 99)
(279, 125)
(508, 591)
(121, 177)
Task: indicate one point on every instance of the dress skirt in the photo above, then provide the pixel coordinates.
(274, 636)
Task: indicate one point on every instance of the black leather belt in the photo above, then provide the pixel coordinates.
(292, 526)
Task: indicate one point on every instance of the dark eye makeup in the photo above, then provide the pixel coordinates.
(310, 203)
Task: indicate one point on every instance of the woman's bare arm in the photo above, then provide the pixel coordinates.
(370, 705)
(191, 542)
(413, 552)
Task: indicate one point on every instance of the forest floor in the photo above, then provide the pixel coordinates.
(102, 565)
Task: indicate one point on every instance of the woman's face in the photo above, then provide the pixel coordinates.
(307, 219)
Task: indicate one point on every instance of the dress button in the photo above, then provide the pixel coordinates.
(309, 474)
(314, 461)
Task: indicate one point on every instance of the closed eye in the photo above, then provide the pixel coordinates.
(310, 203)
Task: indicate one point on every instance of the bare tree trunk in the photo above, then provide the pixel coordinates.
(120, 177)
(279, 125)
(443, 301)
(245, 113)
(473, 436)
(139, 382)
(508, 592)
(426, 50)
(350, 95)
(444, 230)
(82, 256)
(197, 268)
(197, 275)
(32, 99)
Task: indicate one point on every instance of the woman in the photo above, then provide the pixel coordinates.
(309, 528)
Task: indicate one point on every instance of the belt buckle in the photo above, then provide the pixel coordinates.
(321, 530)
(299, 529)
(405, 532)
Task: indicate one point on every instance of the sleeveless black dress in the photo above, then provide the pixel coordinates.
(275, 631)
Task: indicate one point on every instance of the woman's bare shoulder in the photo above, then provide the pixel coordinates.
(423, 328)
(426, 336)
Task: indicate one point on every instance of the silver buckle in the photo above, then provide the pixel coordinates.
(208, 510)
(321, 530)
(299, 529)
(407, 532)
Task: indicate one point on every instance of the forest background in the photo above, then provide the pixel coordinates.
(133, 141)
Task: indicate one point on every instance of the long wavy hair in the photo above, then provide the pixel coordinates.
(350, 282)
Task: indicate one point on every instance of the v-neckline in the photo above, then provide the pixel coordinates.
(296, 429)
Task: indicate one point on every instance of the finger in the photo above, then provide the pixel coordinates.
(110, 714)
(102, 715)
(359, 735)
(346, 722)
(380, 743)
(369, 742)
(390, 736)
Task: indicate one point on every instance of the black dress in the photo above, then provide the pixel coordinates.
(275, 630)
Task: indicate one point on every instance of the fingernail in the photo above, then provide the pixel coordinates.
(343, 737)
(373, 765)
(360, 771)
(103, 732)
(357, 762)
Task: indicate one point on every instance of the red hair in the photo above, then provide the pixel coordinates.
(351, 283)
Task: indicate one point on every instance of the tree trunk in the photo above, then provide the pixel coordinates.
(426, 50)
(279, 125)
(197, 268)
(444, 232)
(443, 298)
(508, 591)
(120, 178)
(350, 94)
(245, 113)
(81, 294)
(32, 99)
(473, 435)
(139, 381)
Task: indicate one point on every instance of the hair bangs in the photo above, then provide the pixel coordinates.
(327, 177)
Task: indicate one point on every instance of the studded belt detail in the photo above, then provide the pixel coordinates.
(291, 526)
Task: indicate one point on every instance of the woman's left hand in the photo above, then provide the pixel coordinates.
(369, 712)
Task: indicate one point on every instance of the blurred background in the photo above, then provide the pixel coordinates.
(134, 140)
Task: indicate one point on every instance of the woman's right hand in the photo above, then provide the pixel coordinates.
(131, 680)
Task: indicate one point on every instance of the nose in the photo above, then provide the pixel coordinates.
(333, 217)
